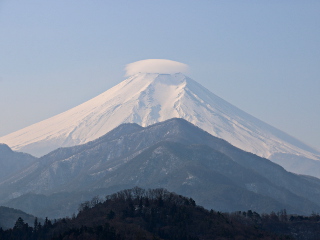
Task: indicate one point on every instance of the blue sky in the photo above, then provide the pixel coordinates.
(262, 56)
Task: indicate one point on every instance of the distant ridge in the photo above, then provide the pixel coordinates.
(11, 162)
(173, 154)
(8, 217)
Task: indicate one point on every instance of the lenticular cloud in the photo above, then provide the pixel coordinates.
(156, 66)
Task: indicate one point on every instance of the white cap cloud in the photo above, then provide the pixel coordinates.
(155, 66)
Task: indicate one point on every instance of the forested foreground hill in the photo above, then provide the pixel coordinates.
(158, 214)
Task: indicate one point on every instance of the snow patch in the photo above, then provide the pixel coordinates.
(190, 180)
(252, 187)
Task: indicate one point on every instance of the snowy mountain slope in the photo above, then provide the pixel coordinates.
(147, 98)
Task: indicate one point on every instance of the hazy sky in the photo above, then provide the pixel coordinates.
(262, 56)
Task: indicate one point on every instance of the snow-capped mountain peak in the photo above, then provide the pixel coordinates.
(148, 98)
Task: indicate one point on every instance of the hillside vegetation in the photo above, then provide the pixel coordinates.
(158, 214)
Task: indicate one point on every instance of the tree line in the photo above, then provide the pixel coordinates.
(158, 214)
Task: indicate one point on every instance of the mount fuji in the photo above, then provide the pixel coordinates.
(148, 98)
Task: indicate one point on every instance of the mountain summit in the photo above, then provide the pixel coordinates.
(148, 98)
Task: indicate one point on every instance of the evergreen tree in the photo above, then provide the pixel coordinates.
(19, 225)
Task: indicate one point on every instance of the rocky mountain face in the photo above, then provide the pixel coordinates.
(12, 162)
(175, 155)
(148, 98)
